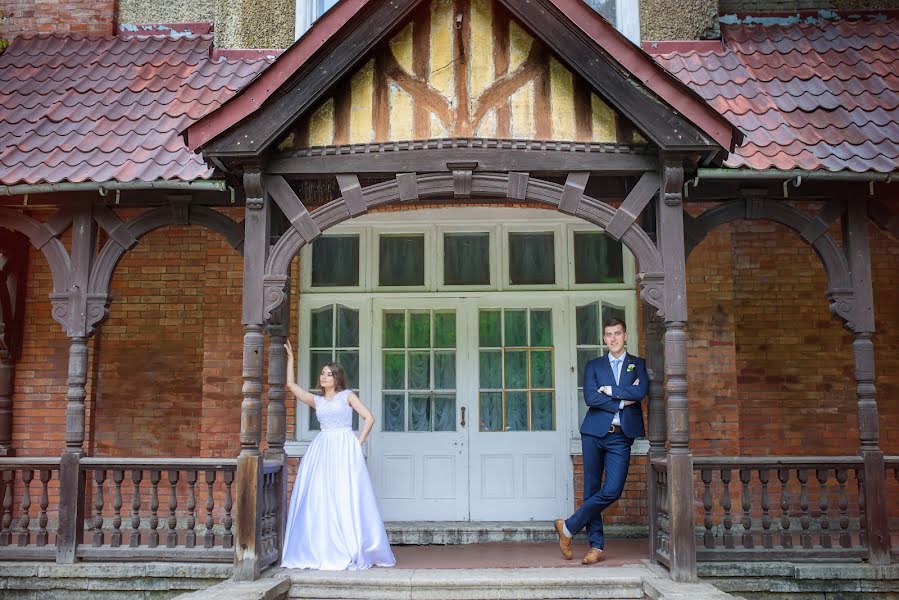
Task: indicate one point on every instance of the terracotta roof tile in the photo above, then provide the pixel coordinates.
(816, 96)
(78, 108)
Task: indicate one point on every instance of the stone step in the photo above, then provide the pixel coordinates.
(479, 532)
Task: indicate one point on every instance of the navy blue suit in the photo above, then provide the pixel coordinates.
(606, 451)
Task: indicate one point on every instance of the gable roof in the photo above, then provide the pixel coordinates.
(811, 96)
(86, 108)
(252, 120)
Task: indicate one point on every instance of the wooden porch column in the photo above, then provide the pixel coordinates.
(276, 433)
(655, 430)
(680, 460)
(71, 309)
(858, 253)
(7, 379)
(249, 502)
(13, 275)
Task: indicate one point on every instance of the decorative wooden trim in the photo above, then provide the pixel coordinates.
(462, 184)
(293, 207)
(408, 186)
(498, 93)
(421, 66)
(500, 155)
(518, 186)
(114, 227)
(573, 192)
(501, 68)
(42, 239)
(423, 94)
(352, 194)
(820, 223)
(633, 204)
(461, 57)
(883, 218)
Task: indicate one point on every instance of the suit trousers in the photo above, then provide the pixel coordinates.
(610, 454)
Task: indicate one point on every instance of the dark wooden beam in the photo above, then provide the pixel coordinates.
(634, 204)
(293, 207)
(573, 192)
(487, 159)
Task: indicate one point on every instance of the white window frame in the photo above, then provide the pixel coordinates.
(307, 13)
(629, 264)
(373, 258)
(627, 19)
(560, 250)
(493, 251)
(364, 271)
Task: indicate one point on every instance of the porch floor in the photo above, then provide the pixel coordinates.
(500, 555)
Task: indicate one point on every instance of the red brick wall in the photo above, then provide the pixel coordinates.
(23, 17)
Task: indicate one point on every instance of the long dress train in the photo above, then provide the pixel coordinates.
(333, 522)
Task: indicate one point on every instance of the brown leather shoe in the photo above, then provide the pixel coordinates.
(564, 540)
(593, 557)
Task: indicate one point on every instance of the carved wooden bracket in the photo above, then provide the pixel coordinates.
(293, 207)
(407, 184)
(673, 174)
(652, 290)
(277, 292)
(518, 186)
(254, 189)
(633, 204)
(351, 191)
(573, 192)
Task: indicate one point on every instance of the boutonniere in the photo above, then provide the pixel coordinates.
(631, 367)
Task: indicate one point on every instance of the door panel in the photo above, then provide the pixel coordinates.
(420, 455)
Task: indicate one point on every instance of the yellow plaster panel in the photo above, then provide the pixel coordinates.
(487, 128)
(520, 42)
(638, 138)
(401, 46)
(361, 90)
(522, 112)
(482, 70)
(438, 130)
(442, 68)
(562, 97)
(321, 124)
(603, 120)
(400, 114)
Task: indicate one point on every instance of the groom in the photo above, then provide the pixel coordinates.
(614, 386)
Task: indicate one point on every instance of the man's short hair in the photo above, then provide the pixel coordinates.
(612, 322)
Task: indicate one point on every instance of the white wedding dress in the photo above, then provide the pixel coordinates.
(333, 522)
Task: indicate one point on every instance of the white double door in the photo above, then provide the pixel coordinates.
(467, 395)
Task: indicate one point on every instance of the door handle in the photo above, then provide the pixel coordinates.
(463, 417)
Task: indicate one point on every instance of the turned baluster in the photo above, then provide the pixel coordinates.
(172, 537)
(191, 539)
(823, 504)
(118, 475)
(805, 536)
(42, 520)
(25, 519)
(228, 520)
(155, 476)
(745, 476)
(708, 540)
(134, 539)
(726, 504)
(786, 536)
(99, 479)
(6, 519)
(843, 503)
(209, 536)
(767, 538)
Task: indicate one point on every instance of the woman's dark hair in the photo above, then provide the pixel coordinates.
(338, 374)
(612, 322)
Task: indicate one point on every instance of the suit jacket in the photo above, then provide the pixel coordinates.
(602, 408)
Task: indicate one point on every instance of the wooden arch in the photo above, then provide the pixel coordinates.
(408, 187)
(43, 237)
(811, 229)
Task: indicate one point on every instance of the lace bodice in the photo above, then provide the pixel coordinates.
(334, 414)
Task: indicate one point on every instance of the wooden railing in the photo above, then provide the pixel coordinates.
(661, 543)
(891, 464)
(272, 509)
(169, 508)
(27, 514)
(780, 508)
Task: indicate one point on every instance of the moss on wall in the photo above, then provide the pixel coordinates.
(677, 19)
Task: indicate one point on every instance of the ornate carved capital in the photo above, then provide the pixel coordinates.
(842, 302)
(254, 189)
(97, 311)
(277, 291)
(60, 309)
(673, 183)
(652, 290)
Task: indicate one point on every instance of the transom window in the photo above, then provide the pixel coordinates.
(542, 255)
(515, 370)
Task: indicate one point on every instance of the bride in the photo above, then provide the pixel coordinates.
(333, 522)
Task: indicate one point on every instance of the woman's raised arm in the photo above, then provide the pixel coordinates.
(296, 390)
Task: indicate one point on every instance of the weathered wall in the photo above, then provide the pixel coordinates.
(166, 11)
(22, 17)
(731, 6)
(677, 19)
